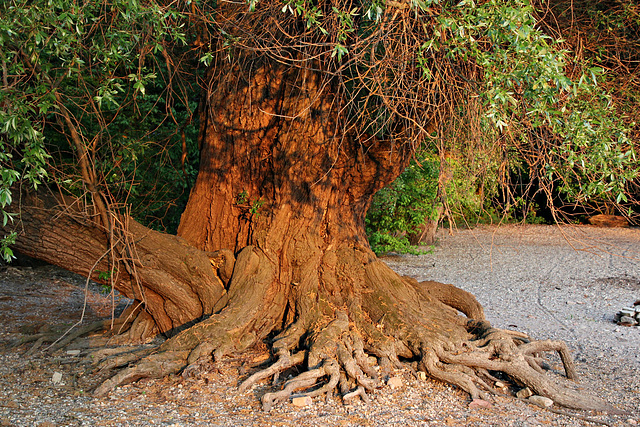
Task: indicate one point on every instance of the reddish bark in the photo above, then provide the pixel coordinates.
(176, 282)
(280, 187)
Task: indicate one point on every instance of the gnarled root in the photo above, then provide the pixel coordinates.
(453, 297)
(331, 337)
(496, 350)
(336, 354)
(239, 325)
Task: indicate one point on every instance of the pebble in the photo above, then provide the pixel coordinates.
(524, 393)
(627, 321)
(541, 401)
(394, 382)
(56, 378)
(479, 403)
(422, 376)
(73, 352)
(301, 401)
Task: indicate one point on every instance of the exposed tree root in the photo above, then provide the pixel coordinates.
(453, 297)
(346, 347)
(235, 328)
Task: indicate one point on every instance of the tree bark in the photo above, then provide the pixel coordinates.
(285, 191)
(176, 283)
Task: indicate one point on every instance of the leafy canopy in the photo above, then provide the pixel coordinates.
(100, 97)
(93, 100)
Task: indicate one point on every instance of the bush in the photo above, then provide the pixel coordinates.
(401, 208)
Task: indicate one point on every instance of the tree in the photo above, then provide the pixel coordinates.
(307, 109)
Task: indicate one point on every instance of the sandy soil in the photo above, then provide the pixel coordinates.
(550, 282)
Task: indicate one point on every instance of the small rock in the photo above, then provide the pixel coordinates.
(422, 376)
(499, 384)
(394, 382)
(73, 352)
(627, 321)
(373, 361)
(524, 393)
(57, 378)
(541, 401)
(301, 401)
(632, 422)
(628, 311)
(571, 302)
(479, 403)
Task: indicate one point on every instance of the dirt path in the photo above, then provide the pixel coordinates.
(528, 278)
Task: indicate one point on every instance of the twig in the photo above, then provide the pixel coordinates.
(84, 306)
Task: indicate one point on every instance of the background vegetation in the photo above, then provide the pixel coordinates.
(480, 181)
(101, 99)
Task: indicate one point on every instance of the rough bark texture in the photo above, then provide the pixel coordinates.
(176, 283)
(284, 191)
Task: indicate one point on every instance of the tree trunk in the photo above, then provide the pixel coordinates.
(176, 283)
(426, 233)
(283, 189)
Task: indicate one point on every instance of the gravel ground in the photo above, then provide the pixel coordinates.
(550, 282)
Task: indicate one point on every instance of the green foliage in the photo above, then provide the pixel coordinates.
(596, 157)
(605, 35)
(115, 83)
(400, 208)
(96, 82)
(244, 202)
(565, 132)
(105, 276)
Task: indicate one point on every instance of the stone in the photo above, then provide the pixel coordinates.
(543, 402)
(627, 321)
(394, 382)
(422, 376)
(56, 378)
(480, 403)
(73, 352)
(524, 393)
(499, 384)
(627, 311)
(301, 401)
(632, 422)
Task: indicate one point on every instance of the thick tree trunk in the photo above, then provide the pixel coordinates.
(274, 164)
(176, 283)
(280, 187)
